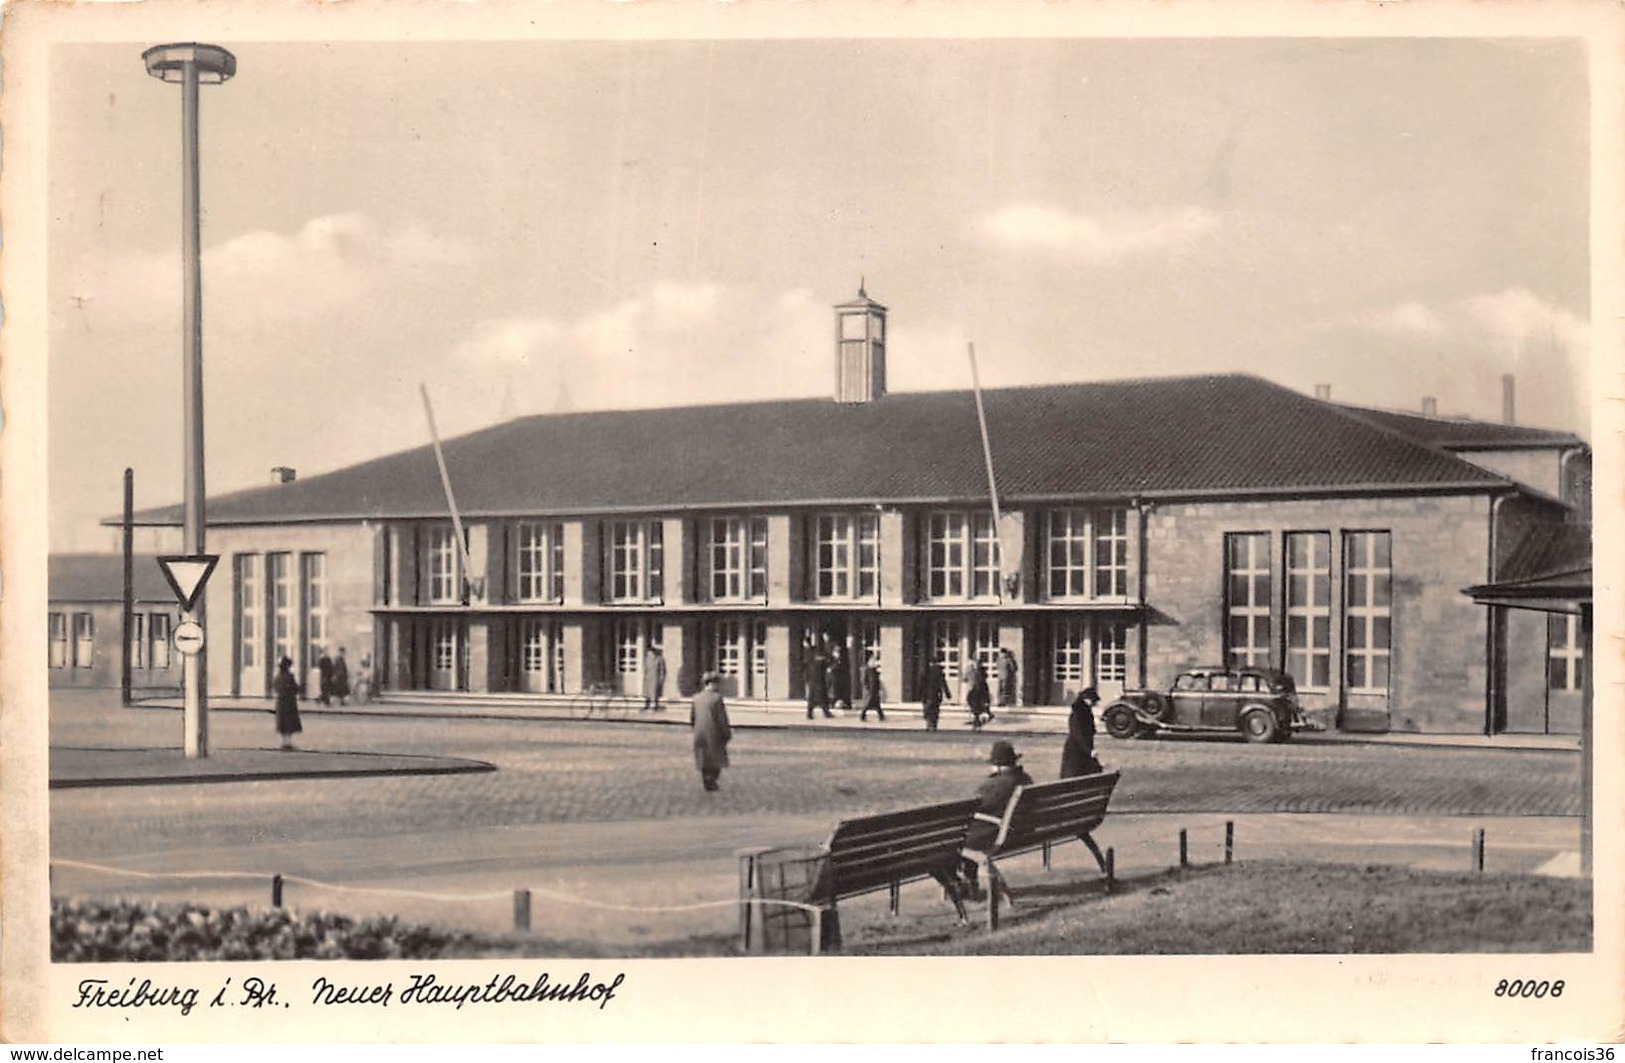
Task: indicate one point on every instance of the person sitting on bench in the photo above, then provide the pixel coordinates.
(991, 798)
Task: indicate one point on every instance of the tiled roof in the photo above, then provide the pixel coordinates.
(1549, 549)
(1461, 433)
(100, 578)
(1194, 436)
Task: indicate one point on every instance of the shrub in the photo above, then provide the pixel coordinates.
(103, 931)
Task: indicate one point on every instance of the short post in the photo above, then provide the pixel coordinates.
(276, 890)
(1184, 848)
(1229, 840)
(817, 945)
(1046, 856)
(1478, 849)
(895, 891)
(1111, 869)
(521, 911)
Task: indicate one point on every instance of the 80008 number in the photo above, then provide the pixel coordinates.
(1519, 987)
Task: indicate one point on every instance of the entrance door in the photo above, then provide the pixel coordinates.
(279, 605)
(947, 642)
(445, 653)
(539, 644)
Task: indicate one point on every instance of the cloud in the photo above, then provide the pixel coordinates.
(1513, 316)
(1101, 238)
(268, 278)
(1405, 318)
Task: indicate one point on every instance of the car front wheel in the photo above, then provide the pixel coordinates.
(1259, 726)
(1121, 721)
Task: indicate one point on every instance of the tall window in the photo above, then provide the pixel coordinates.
(313, 577)
(541, 655)
(84, 640)
(728, 659)
(1111, 553)
(1066, 658)
(279, 593)
(758, 657)
(1068, 555)
(962, 555)
(847, 554)
(540, 562)
(629, 648)
(59, 640)
(635, 568)
(1565, 654)
(738, 552)
(1247, 598)
(1309, 609)
(1368, 610)
(1111, 653)
(445, 581)
(138, 640)
(250, 614)
(985, 647)
(159, 626)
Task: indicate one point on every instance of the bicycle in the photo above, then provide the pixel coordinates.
(601, 699)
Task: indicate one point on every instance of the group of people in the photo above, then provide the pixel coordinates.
(333, 682)
(827, 676)
(978, 696)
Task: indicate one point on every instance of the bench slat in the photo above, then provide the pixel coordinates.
(874, 851)
(1050, 811)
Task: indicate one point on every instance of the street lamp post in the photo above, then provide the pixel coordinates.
(190, 65)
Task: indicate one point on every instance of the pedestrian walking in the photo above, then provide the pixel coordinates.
(1009, 675)
(364, 681)
(341, 679)
(324, 670)
(933, 688)
(977, 698)
(871, 690)
(708, 717)
(815, 671)
(654, 679)
(286, 688)
(1078, 752)
(840, 679)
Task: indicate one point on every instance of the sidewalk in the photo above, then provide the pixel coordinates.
(1008, 721)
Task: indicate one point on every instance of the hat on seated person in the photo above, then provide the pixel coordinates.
(1004, 754)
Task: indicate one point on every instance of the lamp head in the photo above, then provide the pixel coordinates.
(167, 62)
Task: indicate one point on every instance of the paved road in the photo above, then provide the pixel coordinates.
(590, 813)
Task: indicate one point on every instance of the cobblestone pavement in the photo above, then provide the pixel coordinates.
(607, 823)
(551, 772)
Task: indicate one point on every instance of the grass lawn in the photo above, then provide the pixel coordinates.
(1243, 908)
(1267, 907)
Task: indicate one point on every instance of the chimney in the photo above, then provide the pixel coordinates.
(1323, 392)
(1508, 410)
(282, 474)
(1430, 406)
(860, 349)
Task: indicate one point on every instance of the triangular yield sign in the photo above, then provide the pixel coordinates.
(187, 575)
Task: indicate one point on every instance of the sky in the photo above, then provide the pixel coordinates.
(525, 227)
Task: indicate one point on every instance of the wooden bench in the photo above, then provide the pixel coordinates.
(867, 854)
(1038, 816)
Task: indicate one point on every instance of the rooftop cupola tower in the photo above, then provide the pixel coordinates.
(860, 349)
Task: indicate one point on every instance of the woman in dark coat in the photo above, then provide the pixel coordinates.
(1078, 754)
(933, 688)
(871, 690)
(286, 688)
(817, 676)
(709, 718)
(341, 678)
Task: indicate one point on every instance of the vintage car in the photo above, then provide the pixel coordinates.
(1260, 703)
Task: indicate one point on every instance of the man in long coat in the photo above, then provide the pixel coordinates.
(324, 669)
(709, 718)
(933, 688)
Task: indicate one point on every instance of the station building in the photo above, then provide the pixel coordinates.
(1143, 526)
